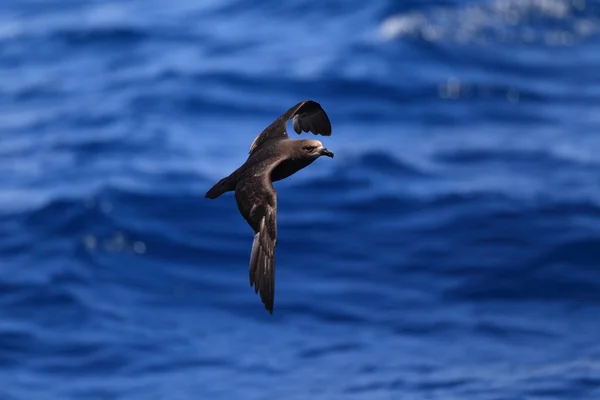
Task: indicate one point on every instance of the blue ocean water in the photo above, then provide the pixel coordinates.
(450, 250)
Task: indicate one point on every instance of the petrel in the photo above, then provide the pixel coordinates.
(273, 156)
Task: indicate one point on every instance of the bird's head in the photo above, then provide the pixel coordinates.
(314, 149)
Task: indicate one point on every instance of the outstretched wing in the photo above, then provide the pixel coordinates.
(308, 116)
(257, 201)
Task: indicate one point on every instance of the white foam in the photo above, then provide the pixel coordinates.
(551, 22)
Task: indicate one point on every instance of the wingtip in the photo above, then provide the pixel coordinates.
(269, 308)
(310, 101)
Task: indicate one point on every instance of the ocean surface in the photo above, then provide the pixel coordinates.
(450, 250)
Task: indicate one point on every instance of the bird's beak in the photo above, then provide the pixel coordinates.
(326, 152)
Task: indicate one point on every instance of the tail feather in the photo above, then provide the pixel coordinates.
(224, 185)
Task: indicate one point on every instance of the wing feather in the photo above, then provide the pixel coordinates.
(256, 199)
(307, 116)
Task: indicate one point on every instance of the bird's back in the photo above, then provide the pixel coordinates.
(261, 160)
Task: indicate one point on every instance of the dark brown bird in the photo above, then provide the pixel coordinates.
(273, 156)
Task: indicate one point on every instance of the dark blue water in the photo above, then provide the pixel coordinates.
(450, 250)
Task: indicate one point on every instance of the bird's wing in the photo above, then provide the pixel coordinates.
(257, 201)
(308, 116)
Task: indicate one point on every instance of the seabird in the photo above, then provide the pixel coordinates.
(273, 156)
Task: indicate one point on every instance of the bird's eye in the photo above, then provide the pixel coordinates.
(309, 148)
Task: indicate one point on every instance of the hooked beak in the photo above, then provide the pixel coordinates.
(326, 152)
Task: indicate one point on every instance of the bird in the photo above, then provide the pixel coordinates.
(273, 156)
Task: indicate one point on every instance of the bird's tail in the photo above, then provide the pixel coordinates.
(227, 184)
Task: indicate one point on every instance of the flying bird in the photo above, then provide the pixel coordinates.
(273, 156)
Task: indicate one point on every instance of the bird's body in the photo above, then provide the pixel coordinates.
(273, 156)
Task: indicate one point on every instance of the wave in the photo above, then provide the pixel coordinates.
(533, 22)
(448, 235)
